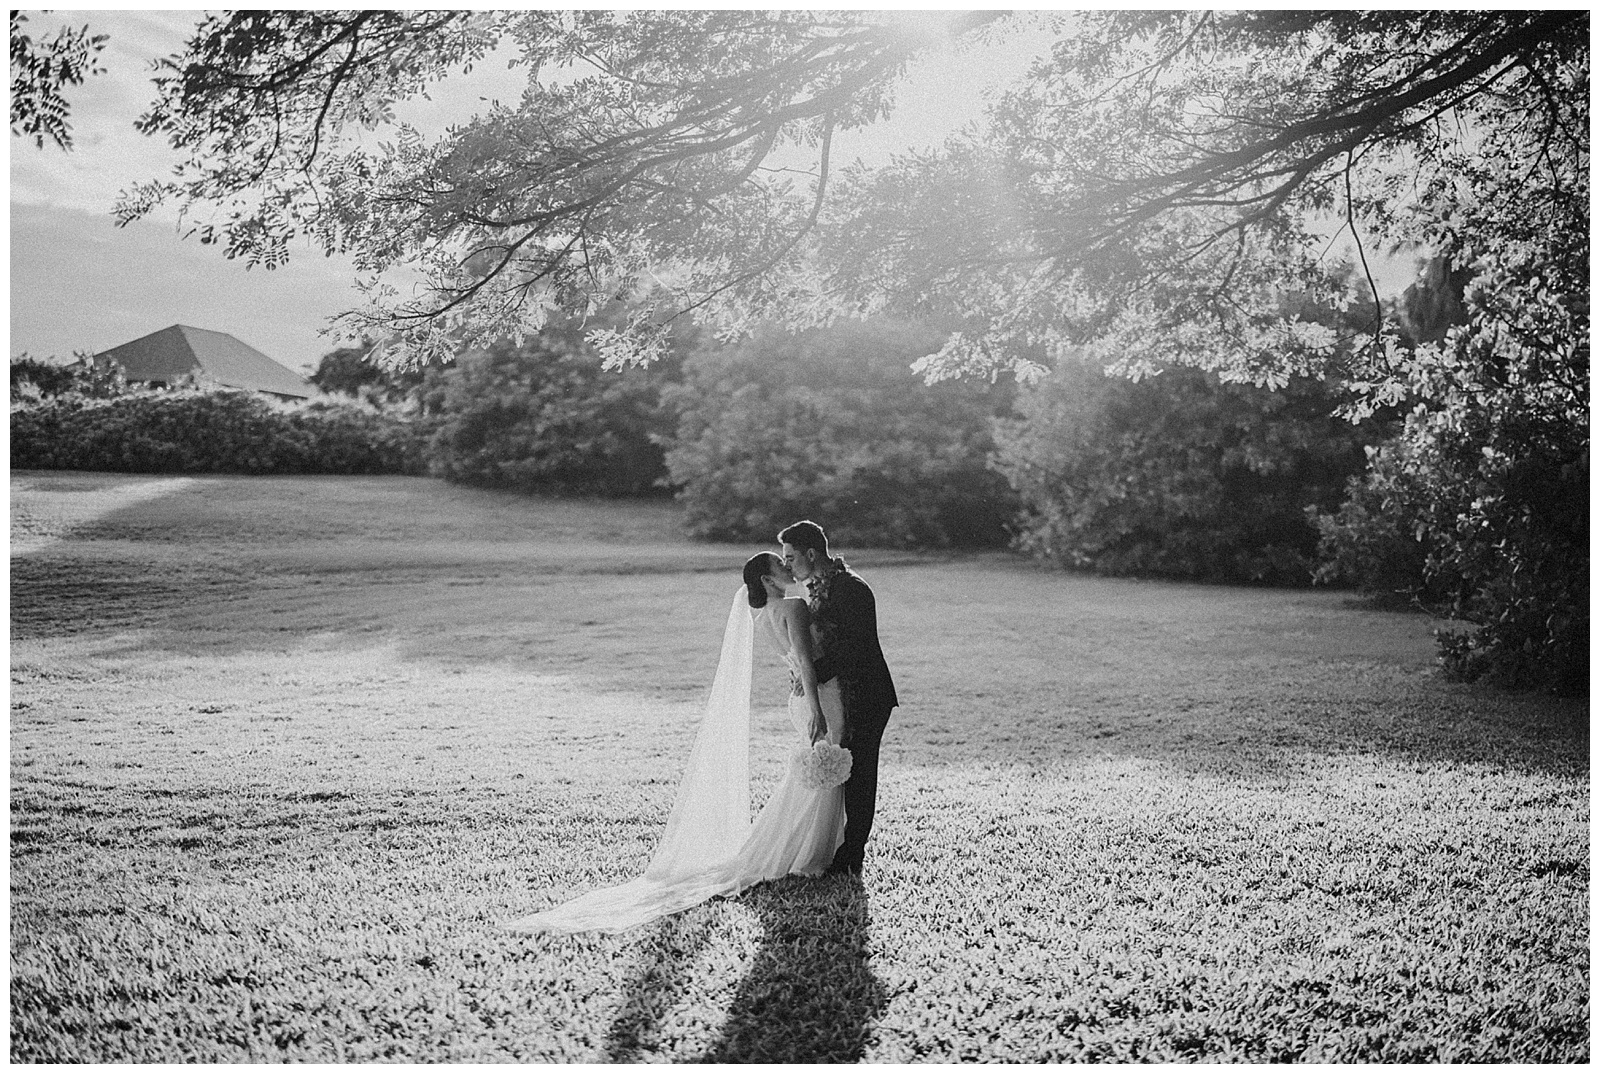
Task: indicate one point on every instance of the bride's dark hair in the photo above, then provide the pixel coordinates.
(757, 567)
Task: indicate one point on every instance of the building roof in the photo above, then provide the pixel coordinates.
(215, 357)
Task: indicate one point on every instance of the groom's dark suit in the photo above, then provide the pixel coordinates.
(845, 616)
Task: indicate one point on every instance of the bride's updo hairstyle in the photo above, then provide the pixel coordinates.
(756, 568)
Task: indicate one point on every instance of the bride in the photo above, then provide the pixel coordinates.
(710, 847)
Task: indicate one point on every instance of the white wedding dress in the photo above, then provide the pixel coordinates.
(710, 846)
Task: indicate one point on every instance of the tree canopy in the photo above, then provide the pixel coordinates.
(1156, 181)
(1157, 185)
(639, 153)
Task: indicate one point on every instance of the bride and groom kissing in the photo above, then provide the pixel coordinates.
(840, 701)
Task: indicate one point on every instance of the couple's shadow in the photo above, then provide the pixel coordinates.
(808, 996)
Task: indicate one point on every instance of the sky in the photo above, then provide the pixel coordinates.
(79, 283)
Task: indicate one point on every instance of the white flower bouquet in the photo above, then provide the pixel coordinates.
(821, 765)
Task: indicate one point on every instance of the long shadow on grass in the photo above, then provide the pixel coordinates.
(656, 985)
(810, 996)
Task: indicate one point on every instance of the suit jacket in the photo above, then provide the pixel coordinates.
(845, 616)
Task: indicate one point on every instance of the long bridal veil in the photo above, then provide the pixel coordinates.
(710, 817)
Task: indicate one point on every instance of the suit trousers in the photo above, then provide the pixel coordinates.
(863, 733)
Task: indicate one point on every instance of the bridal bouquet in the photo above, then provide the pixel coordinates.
(821, 765)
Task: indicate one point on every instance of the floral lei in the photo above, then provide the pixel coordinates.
(817, 585)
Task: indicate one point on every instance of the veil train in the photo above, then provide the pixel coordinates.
(697, 857)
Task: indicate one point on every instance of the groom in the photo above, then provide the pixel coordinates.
(845, 617)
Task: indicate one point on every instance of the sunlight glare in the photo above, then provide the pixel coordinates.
(919, 29)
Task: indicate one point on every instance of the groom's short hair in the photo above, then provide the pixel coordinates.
(805, 535)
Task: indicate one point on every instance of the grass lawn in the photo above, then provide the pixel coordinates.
(285, 751)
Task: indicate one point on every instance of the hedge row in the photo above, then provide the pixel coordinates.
(212, 432)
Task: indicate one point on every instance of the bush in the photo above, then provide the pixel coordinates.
(33, 380)
(345, 439)
(831, 424)
(545, 417)
(1480, 515)
(1177, 476)
(210, 432)
(348, 371)
(1377, 541)
(1483, 521)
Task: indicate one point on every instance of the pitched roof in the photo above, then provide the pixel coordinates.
(213, 356)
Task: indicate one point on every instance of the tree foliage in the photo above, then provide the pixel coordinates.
(542, 416)
(1182, 474)
(1146, 197)
(1488, 482)
(647, 171)
(1178, 475)
(1151, 190)
(40, 72)
(1158, 165)
(356, 372)
(831, 424)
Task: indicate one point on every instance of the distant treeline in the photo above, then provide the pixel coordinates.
(1177, 475)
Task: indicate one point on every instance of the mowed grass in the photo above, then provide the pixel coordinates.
(286, 752)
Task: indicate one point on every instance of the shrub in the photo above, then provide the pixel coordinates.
(1480, 515)
(33, 380)
(1484, 521)
(349, 371)
(545, 417)
(346, 439)
(210, 432)
(1377, 541)
(831, 424)
(1178, 476)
